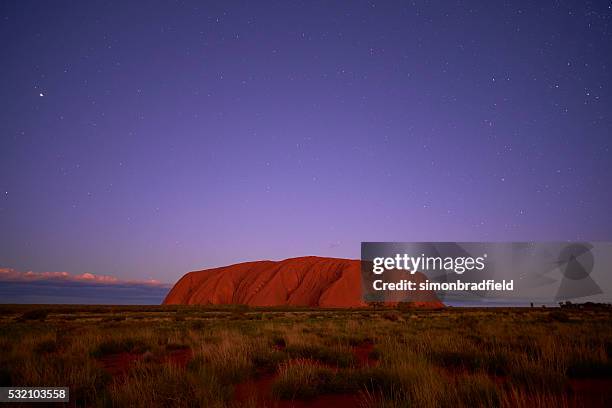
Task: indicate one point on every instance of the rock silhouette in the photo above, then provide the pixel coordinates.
(306, 281)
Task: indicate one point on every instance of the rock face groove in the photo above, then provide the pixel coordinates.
(306, 281)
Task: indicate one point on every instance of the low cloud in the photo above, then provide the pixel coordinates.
(86, 288)
(12, 275)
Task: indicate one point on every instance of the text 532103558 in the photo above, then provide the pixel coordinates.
(34, 394)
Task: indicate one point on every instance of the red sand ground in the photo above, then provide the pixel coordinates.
(307, 281)
(363, 354)
(119, 364)
(179, 357)
(594, 392)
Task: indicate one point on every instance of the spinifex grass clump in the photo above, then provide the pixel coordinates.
(165, 385)
(47, 346)
(268, 360)
(331, 355)
(302, 379)
(116, 346)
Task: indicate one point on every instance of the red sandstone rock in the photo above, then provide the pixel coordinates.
(307, 281)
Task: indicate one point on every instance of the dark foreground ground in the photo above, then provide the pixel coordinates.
(230, 357)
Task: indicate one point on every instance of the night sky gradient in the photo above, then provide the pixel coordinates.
(146, 140)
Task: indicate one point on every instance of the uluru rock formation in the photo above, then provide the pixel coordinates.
(306, 281)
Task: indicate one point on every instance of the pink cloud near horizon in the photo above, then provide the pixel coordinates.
(9, 274)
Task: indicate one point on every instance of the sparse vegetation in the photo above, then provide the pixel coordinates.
(303, 379)
(116, 346)
(35, 314)
(146, 357)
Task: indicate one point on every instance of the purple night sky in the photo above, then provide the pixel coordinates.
(143, 141)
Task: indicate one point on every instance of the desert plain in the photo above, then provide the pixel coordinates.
(241, 356)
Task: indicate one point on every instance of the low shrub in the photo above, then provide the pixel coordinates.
(116, 346)
(303, 380)
(558, 316)
(391, 316)
(35, 314)
(477, 391)
(268, 360)
(328, 355)
(173, 346)
(46, 346)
